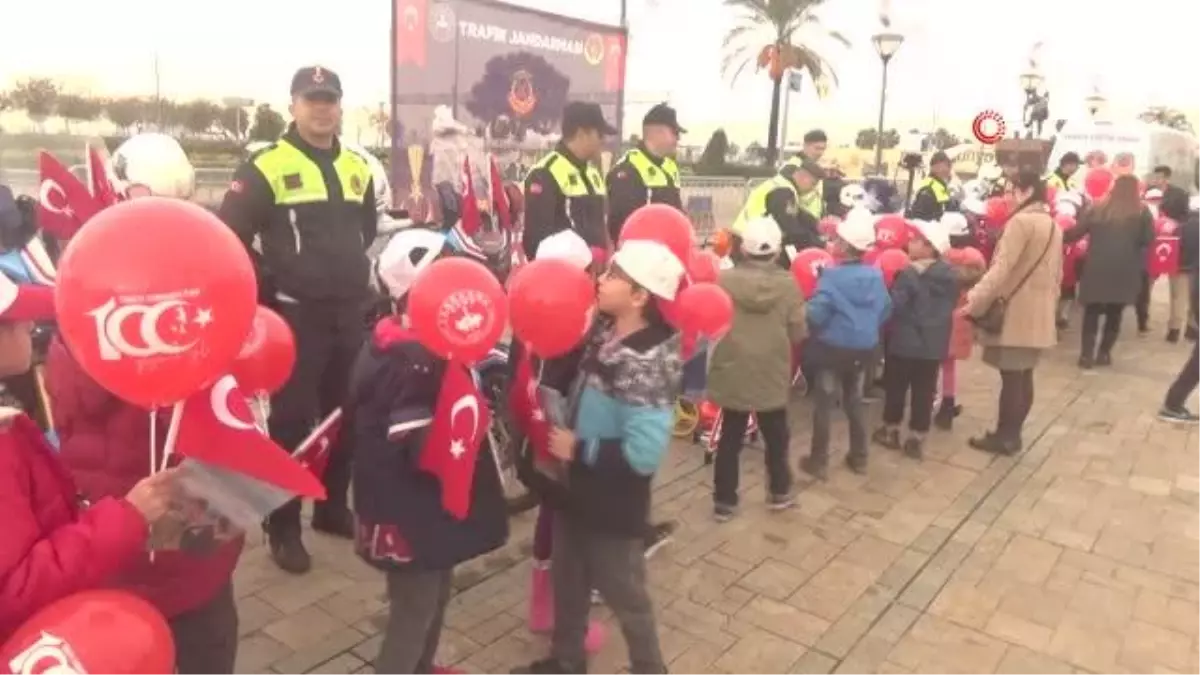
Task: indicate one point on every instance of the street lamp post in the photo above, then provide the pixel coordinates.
(886, 45)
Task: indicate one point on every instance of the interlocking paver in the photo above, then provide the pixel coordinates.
(1080, 555)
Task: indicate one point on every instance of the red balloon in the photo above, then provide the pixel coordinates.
(664, 224)
(551, 303)
(155, 298)
(966, 256)
(1098, 182)
(890, 262)
(704, 309)
(807, 266)
(458, 309)
(92, 632)
(1051, 195)
(1064, 221)
(996, 211)
(828, 226)
(268, 354)
(892, 231)
(703, 266)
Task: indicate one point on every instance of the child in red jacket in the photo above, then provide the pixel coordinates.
(55, 544)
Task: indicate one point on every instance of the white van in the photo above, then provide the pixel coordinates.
(1148, 145)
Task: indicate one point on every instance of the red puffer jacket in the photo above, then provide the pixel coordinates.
(51, 547)
(104, 441)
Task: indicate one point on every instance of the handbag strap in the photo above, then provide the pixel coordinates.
(1040, 258)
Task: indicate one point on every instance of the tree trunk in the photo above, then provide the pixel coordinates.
(773, 128)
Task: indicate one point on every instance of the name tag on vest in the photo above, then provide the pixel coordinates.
(292, 181)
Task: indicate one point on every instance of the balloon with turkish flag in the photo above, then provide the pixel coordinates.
(890, 262)
(703, 266)
(155, 298)
(98, 631)
(807, 266)
(1162, 256)
(892, 231)
(552, 303)
(662, 223)
(704, 309)
(268, 355)
(1098, 182)
(458, 309)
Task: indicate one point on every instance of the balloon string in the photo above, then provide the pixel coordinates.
(153, 455)
(172, 434)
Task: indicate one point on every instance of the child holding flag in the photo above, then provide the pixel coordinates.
(620, 425)
(398, 411)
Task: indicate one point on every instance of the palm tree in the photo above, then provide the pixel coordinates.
(793, 37)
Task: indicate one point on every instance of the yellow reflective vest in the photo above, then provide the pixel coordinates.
(814, 201)
(756, 203)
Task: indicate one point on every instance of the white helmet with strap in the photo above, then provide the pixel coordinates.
(154, 163)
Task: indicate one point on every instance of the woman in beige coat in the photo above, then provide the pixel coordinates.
(1025, 273)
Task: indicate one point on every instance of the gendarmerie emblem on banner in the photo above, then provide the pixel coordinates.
(522, 98)
(443, 24)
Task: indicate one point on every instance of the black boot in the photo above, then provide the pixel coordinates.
(944, 419)
(1104, 358)
(288, 552)
(996, 444)
(335, 520)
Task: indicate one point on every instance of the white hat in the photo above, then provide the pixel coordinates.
(761, 237)
(934, 232)
(974, 205)
(1070, 197)
(405, 256)
(650, 265)
(567, 246)
(955, 224)
(857, 230)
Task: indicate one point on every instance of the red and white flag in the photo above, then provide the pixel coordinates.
(101, 182)
(526, 407)
(313, 452)
(64, 202)
(217, 427)
(460, 424)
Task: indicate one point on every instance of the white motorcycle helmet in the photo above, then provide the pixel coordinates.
(852, 195)
(404, 257)
(1068, 202)
(153, 163)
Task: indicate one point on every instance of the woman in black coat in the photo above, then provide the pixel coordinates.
(1121, 228)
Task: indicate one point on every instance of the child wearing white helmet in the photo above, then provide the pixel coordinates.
(624, 413)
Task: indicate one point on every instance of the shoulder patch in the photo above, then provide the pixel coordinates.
(292, 181)
(535, 188)
(622, 175)
(237, 186)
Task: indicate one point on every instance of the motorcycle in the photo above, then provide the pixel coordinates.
(494, 375)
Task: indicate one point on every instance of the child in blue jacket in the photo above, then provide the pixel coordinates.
(845, 315)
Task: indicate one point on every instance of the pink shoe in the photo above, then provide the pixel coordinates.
(541, 611)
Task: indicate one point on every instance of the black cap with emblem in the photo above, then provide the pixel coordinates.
(664, 115)
(316, 81)
(578, 115)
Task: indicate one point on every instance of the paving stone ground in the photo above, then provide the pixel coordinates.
(1079, 555)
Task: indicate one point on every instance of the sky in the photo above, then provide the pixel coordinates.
(960, 57)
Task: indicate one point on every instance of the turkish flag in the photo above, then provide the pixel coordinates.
(1163, 255)
(313, 452)
(460, 423)
(101, 183)
(526, 407)
(411, 19)
(614, 62)
(217, 427)
(64, 203)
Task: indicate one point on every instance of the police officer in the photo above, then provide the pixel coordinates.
(781, 197)
(815, 143)
(311, 205)
(933, 196)
(648, 173)
(1060, 178)
(565, 189)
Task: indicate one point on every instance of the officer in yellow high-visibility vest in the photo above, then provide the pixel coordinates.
(565, 190)
(1060, 178)
(648, 173)
(311, 205)
(780, 197)
(932, 198)
(815, 142)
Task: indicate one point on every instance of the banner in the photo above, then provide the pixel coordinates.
(504, 71)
